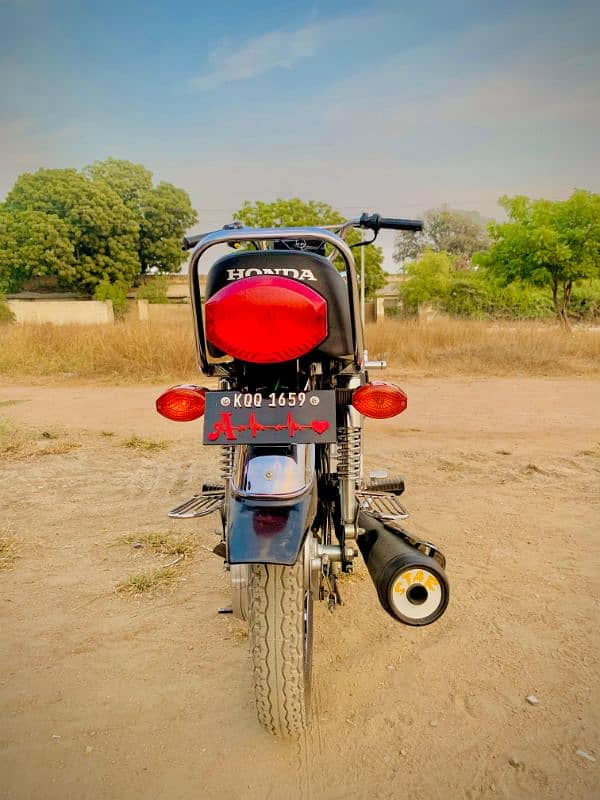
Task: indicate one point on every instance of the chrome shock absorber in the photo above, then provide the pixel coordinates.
(349, 466)
(226, 462)
(349, 452)
(227, 451)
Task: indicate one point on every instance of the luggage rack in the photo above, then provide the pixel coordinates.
(381, 505)
(199, 505)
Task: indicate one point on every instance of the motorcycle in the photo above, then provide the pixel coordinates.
(280, 329)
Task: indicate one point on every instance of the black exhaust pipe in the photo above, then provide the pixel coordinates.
(412, 586)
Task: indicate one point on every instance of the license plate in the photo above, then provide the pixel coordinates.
(277, 418)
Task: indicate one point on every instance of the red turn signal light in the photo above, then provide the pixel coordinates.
(182, 403)
(379, 400)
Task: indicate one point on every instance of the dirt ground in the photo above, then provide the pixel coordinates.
(108, 696)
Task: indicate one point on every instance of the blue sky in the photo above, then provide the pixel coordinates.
(394, 107)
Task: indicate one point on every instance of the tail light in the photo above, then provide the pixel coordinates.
(266, 319)
(182, 403)
(379, 400)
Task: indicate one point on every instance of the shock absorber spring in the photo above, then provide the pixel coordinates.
(349, 452)
(226, 462)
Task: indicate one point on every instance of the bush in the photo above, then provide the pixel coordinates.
(474, 296)
(428, 281)
(117, 292)
(467, 296)
(154, 290)
(6, 315)
(585, 300)
(433, 279)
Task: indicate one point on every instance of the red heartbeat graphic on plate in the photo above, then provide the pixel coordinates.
(223, 427)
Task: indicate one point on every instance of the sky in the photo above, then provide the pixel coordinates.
(393, 107)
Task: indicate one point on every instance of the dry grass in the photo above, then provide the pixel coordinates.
(145, 445)
(130, 352)
(180, 548)
(147, 582)
(17, 442)
(442, 347)
(162, 544)
(134, 352)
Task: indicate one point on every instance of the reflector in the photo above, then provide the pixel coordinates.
(182, 403)
(379, 400)
(266, 319)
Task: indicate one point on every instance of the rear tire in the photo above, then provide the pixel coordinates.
(280, 620)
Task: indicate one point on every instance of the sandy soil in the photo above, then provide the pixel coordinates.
(104, 696)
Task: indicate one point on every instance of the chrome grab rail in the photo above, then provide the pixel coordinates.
(272, 234)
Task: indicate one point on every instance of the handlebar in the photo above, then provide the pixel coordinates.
(191, 241)
(372, 222)
(376, 223)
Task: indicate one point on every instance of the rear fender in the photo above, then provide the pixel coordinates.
(272, 503)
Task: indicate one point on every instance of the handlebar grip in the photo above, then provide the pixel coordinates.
(400, 224)
(191, 241)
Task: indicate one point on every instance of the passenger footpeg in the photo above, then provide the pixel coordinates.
(392, 485)
(200, 504)
(381, 505)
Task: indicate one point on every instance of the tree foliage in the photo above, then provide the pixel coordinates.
(460, 233)
(547, 243)
(428, 279)
(101, 231)
(33, 244)
(434, 280)
(167, 215)
(163, 212)
(105, 224)
(296, 212)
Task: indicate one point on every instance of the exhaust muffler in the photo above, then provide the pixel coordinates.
(412, 586)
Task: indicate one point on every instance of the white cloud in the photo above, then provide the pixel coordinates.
(284, 49)
(274, 50)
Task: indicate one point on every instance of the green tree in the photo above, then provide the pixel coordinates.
(168, 213)
(429, 279)
(547, 243)
(296, 212)
(33, 244)
(132, 182)
(102, 231)
(163, 213)
(460, 233)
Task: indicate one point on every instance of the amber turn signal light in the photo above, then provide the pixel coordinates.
(379, 400)
(182, 403)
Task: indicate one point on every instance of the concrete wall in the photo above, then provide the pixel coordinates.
(63, 312)
(137, 310)
(166, 312)
(374, 310)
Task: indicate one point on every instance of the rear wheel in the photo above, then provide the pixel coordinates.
(280, 620)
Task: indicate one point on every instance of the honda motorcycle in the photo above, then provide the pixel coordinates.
(280, 330)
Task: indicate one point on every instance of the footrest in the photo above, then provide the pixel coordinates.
(393, 485)
(199, 505)
(381, 505)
